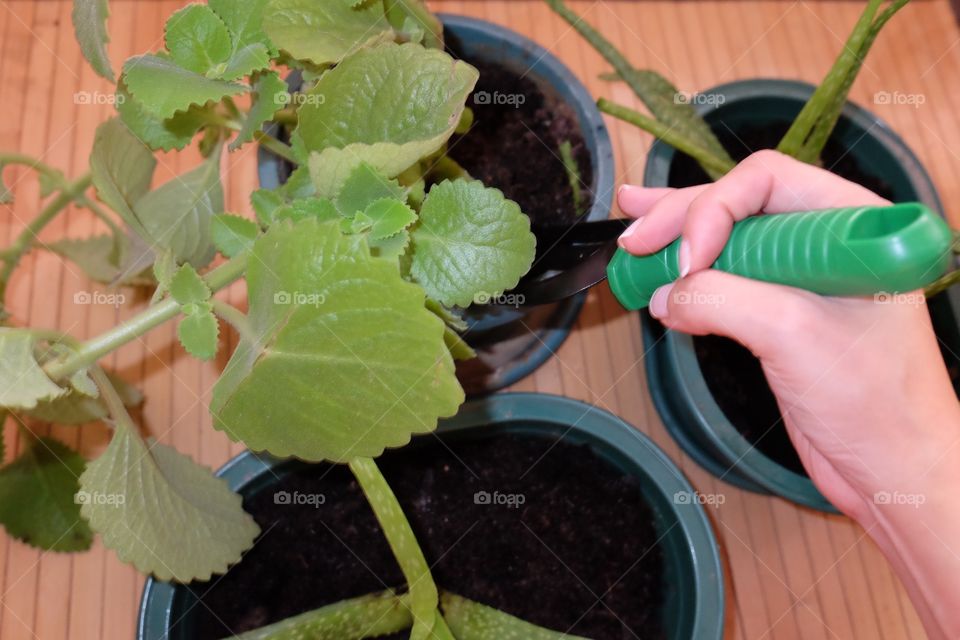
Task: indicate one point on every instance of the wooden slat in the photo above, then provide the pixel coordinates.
(792, 573)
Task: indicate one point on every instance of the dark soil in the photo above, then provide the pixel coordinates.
(733, 375)
(583, 529)
(514, 145)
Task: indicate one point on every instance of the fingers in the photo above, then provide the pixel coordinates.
(661, 223)
(757, 314)
(766, 182)
(635, 201)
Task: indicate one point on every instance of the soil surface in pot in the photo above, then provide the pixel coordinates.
(733, 375)
(582, 532)
(514, 145)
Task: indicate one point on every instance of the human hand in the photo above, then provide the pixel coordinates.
(861, 384)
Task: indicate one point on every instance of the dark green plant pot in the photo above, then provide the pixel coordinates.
(693, 579)
(677, 384)
(512, 342)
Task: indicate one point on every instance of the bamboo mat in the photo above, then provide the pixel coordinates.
(791, 573)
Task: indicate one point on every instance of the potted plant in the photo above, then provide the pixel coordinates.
(494, 536)
(710, 391)
(353, 268)
(534, 132)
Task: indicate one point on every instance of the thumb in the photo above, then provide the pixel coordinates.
(759, 315)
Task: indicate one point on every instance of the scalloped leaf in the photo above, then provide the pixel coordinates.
(198, 331)
(244, 19)
(177, 215)
(388, 105)
(22, 382)
(232, 234)
(388, 217)
(37, 502)
(197, 39)
(163, 87)
(324, 32)
(122, 169)
(470, 240)
(323, 309)
(159, 134)
(364, 186)
(270, 96)
(76, 408)
(103, 260)
(162, 512)
(188, 287)
(90, 26)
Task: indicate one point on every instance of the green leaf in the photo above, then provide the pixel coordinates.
(324, 32)
(388, 106)
(389, 217)
(102, 260)
(265, 204)
(157, 133)
(369, 616)
(244, 19)
(404, 13)
(177, 215)
(75, 408)
(270, 96)
(187, 287)
(323, 309)
(198, 332)
(474, 621)
(164, 268)
(459, 349)
(163, 87)
(37, 502)
(122, 169)
(233, 235)
(391, 248)
(470, 240)
(162, 512)
(364, 186)
(320, 209)
(90, 27)
(22, 382)
(197, 39)
(253, 57)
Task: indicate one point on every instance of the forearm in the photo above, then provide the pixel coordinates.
(918, 530)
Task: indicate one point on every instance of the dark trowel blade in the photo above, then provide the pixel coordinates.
(591, 270)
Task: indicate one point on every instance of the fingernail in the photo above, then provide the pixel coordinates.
(632, 229)
(684, 258)
(658, 302)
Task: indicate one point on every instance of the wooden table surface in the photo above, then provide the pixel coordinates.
(791, 572)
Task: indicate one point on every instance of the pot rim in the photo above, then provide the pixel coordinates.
(751, 469)
(578, 418)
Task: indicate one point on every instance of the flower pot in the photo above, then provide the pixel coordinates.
(688, 399)
(512, 342)
(691, 596)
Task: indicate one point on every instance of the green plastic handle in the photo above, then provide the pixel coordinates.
(856, 251)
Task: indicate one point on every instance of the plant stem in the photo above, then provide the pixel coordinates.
(942, 284)
(669, 135)
(36, 165)
(282, 149)
(656, 92)
(92, 350)
(286, 116)
(424, 597)
(832, 87)
(23, 242)
(234, 317)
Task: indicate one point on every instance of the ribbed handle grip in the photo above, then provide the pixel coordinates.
(839, 252)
